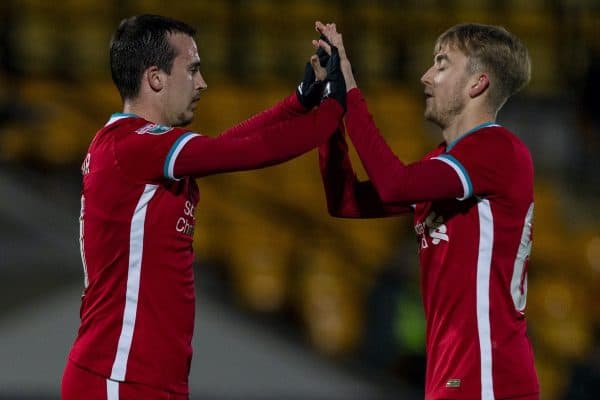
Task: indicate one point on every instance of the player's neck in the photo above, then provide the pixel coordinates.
(463, 124)
(144, 111)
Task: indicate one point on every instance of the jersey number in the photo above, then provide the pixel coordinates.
(81, 247)
(518, 284)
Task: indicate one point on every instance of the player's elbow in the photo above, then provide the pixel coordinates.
(333, 210)
(390, 194)
(338, 213)
(343, 212)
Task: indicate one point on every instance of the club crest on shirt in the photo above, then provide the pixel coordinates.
(153, 129)
(434, 227)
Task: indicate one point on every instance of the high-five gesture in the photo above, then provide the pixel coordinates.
(329, 31)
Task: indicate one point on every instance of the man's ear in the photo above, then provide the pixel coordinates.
(155, 78)
(479, 86)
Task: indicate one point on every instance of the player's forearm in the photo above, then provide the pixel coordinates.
(262, 147)
(380, 163)
(346, 196)
(348, 74)
(338, 177)
(394, 181)
(288, 108)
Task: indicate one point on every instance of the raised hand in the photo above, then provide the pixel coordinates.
(310, 90)
(336, 85)
(330, 37)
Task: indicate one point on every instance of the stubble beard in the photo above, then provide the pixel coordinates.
(183, 119)
(445, 116)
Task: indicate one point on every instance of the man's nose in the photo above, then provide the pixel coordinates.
(426, 78)
(201, 83)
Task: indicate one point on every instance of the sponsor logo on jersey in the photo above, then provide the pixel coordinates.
(153, 129)
(434, 227)
(185, 224)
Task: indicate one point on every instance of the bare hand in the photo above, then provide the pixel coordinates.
(334, 37)
(320, 72)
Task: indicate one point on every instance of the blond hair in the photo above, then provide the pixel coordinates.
(494, 50)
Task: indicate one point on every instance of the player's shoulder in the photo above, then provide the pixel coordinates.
(492, 138)
(501, 133)
(133, 126)
(439, 149)
(507, 141)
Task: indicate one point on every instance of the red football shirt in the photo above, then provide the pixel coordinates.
(137, 225)
(473, 211)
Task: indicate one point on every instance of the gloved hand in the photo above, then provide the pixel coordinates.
(335, 86)
(321, 53)
(310, 90)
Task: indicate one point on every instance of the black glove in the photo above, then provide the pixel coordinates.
(336, 85)
(321, 53)
(310, 91)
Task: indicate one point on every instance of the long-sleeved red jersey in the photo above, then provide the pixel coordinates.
(473, 210)
(137, 225)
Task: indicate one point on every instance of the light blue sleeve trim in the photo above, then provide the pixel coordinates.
(462, 173)
(174, 152)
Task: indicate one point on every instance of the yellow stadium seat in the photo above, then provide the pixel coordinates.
(331, 303)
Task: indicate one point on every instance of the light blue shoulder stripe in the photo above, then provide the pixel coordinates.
(174, 152)
(462, 173)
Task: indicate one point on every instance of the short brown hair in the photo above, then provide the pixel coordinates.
(494, 50)
(138, 43)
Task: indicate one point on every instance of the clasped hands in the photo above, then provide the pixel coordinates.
(328, 74)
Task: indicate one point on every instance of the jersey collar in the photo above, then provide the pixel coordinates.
(472, 130)
(117, 116)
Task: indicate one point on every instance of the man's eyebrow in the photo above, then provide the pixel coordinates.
(441, 57)
(194, 65)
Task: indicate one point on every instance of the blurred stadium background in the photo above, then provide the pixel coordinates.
(292, 303)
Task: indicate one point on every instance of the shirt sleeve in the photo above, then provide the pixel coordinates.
(147, 154)
(346, 195)
(288, 108)
(260, 145)
(461, 173)
(397, 182)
